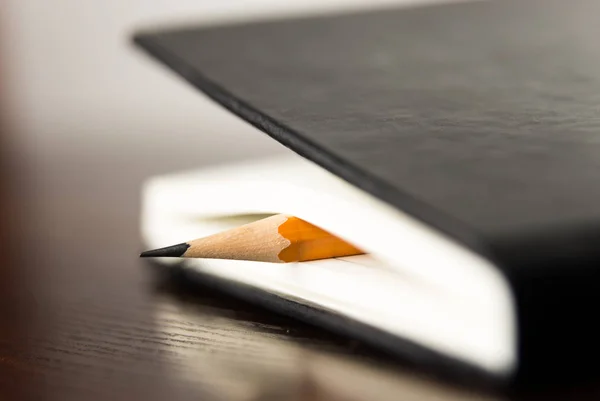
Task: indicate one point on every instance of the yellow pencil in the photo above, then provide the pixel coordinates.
(278, 239)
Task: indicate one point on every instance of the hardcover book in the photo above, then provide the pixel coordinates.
(468, 134)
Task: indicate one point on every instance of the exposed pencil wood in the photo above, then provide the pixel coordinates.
(277, 239)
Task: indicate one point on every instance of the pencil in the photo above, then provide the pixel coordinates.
(278, 239)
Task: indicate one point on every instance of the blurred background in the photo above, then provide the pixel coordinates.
(74, 79)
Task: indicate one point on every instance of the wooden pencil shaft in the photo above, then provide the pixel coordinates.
(257, 241)
(277, 239)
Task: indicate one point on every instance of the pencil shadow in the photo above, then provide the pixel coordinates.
(175, 282)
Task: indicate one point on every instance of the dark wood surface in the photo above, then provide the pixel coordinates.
(82, 318)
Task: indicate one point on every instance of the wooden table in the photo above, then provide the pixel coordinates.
(82, 318)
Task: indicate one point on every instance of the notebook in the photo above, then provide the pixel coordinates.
(475, 123)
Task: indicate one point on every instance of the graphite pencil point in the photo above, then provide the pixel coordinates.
(174, 251)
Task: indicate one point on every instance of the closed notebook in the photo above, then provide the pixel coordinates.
(458, 144)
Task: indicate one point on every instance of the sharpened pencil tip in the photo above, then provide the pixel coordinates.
(173, 251)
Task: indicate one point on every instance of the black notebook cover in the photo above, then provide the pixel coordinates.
(481, 119)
